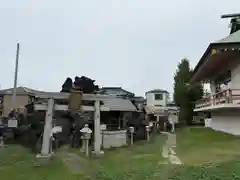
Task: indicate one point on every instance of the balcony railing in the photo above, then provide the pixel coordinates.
(229, 96)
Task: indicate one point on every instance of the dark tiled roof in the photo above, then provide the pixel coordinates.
(20, 90)
(119, 104)
(117, 89)
(157, 91)
(112, 88)
(232, 38)
(112, 102)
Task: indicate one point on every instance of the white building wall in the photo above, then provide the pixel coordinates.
(208, 122)
(173, 114)
(114, 138)
(235, 82)
(235, 77)
(150, 97)
(173, 118)
(228, 122)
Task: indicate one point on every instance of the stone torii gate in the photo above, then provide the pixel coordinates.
(52, 106)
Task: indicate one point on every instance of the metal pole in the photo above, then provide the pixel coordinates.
(15, 78)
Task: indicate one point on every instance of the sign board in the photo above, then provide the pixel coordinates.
(56, 129)
(103, 127)
(13, 123)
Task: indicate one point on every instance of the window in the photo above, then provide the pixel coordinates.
(158, 97)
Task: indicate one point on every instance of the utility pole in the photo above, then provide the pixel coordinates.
(15, 78)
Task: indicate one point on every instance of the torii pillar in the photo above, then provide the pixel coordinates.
(45, 151)
(97, 131)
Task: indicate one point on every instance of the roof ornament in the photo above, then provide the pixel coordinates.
(213, 52)
(235, 21)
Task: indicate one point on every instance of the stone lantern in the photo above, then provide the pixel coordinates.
(148, 129)
(86, 131)
(131, 130)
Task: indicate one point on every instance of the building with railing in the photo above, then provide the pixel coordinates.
(159, 106)
(220, 67)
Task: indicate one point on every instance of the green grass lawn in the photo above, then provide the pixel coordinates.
(16, 163)
(206, 155)
(198, 146)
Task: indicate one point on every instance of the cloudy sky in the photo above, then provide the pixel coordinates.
(135, 44)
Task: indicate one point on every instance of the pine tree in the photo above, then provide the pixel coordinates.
(185, 93)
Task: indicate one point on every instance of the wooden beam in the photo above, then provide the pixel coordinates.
(57, 107)
(63, 96)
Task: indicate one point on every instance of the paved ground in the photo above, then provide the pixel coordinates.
(168, 149)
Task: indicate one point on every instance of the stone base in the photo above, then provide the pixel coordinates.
(82, 150)
(101, 153)
(40, 156)
(3, 146)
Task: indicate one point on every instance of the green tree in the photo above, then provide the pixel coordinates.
(185, 93)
